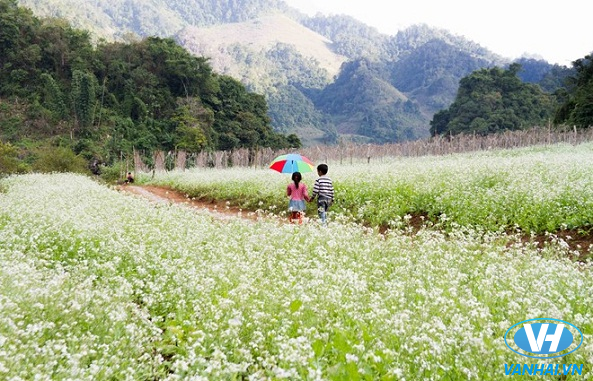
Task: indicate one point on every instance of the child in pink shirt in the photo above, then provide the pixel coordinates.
(298, 195)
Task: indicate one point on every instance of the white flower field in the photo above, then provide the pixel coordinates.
(536, 189)
(100, 285)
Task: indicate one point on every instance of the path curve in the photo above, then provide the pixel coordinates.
(157, 194)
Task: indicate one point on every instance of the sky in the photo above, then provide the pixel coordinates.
(559, 32)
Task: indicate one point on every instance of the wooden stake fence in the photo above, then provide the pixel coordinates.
(350, 153)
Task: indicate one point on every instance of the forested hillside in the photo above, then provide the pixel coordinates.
(302, 64)
(493, 100)
(112, 19)
(59, 91)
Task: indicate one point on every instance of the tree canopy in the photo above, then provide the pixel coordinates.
(493, 100)
(577, 106)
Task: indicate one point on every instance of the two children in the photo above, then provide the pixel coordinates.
(323, 190)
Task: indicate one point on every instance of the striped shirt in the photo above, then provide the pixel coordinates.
(323, 187)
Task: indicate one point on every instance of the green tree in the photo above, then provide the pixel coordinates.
(83, 98)
(54, 98)
(194, 125)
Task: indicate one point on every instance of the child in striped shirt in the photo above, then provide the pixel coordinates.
(323, 190)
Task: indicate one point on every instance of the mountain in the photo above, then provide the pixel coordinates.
(324, 78)
(281, 56)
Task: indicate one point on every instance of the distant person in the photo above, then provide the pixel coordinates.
(129, 178)
(95, 167)
(298, 194)
(323, 190)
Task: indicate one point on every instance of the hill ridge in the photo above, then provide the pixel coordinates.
(255, 34)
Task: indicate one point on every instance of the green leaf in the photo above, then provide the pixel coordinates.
(295, 305)
(318, 347)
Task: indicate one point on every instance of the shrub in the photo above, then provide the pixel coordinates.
(9, 161)
(59, 159)
(114, 173)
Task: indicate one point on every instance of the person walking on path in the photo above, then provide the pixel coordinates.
(323, 190)
(298, 194)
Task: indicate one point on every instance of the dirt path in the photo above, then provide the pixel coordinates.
(164, 195)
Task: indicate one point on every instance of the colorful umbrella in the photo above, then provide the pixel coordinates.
(292, 162)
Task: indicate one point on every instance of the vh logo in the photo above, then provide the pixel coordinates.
(543, 338)
(537, 345)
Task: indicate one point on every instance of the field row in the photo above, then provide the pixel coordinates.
(536, 189)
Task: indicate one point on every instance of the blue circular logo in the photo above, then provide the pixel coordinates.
(543, 338)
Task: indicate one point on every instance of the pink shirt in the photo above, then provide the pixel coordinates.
(297, 194)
